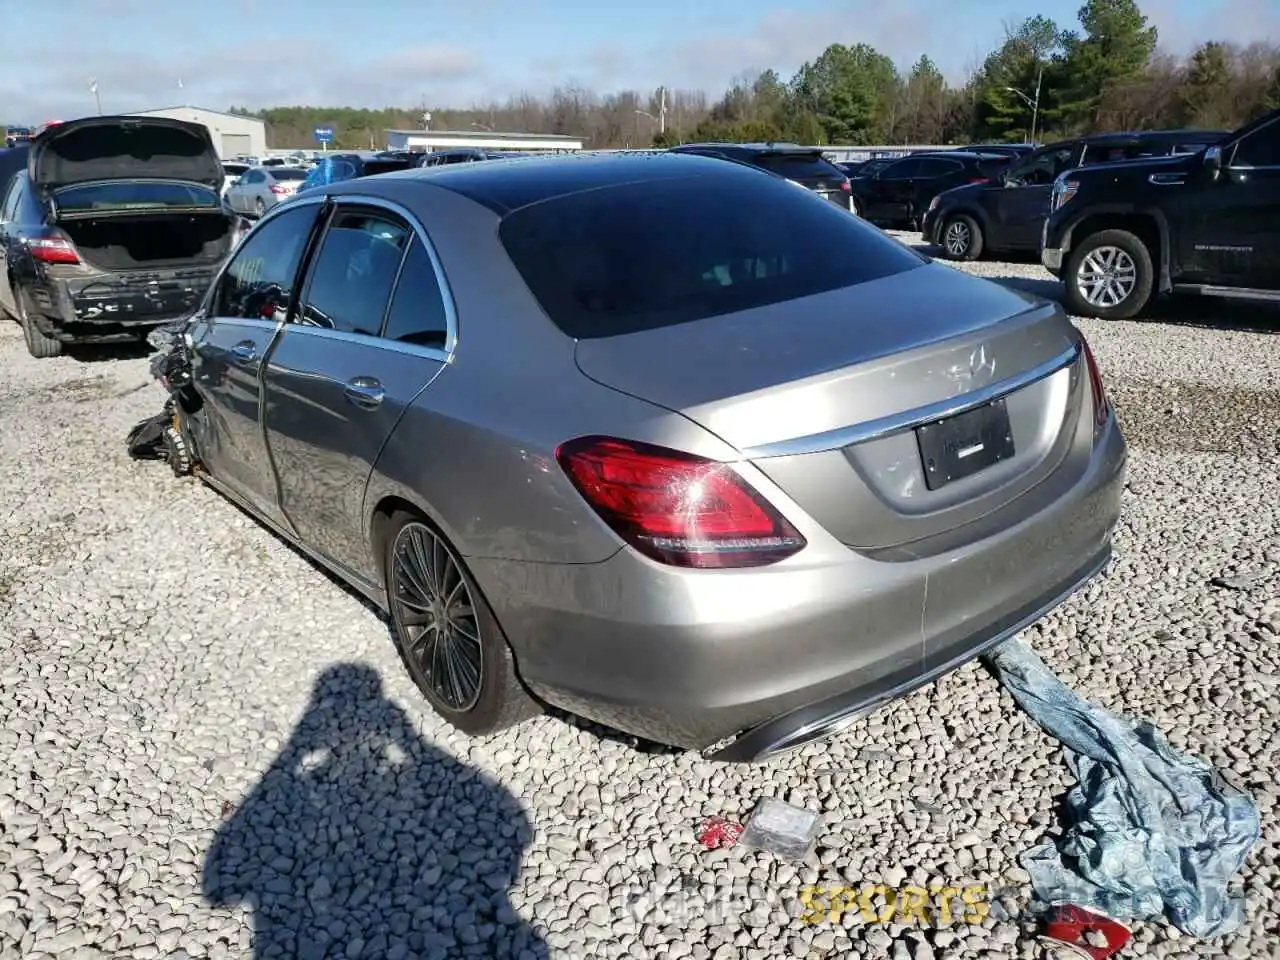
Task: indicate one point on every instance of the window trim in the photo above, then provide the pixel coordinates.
(419, 232)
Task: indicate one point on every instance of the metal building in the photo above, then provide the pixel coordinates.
(233, 135)
(429, 140)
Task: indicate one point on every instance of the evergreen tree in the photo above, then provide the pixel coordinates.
(1114, 49)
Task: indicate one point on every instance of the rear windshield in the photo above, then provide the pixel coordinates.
(127, 195)
(646, 255)
(797, 165)
(286, 173)
(374, 167)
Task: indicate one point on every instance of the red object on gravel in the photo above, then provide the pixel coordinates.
(1072, 928)
(717, 832)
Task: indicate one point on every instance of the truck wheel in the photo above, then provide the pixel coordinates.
(961, 238)
(1109, 276)
(38, 345)
(446, 633)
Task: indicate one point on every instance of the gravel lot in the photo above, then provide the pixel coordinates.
(212, 750)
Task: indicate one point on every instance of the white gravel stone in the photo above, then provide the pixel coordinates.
(159, 650)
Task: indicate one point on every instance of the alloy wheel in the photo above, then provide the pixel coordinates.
(957, 238)
(436, 614)
(1106, 276)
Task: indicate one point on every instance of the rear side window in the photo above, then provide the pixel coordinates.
(126, 196)
(903, 169)
(417, 313)
(352, 278)
(798, 166)
(933, 167)
(645, 255)
(258, 282)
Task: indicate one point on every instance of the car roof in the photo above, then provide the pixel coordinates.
(505, 187)
(952, 154)
(1142, 136)
(780, 147)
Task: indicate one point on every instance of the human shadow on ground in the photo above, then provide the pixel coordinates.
(362, 840)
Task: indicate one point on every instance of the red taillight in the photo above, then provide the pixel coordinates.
(52, 250)
(675, 507)
(277, 189)
(1101, 405)
(978, 179)
(844, 185)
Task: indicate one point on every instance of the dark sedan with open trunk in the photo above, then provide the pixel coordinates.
(114, 226)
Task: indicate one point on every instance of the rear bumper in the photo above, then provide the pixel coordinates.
(695, 658)
(109, 307)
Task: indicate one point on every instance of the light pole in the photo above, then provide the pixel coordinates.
(661, 118)
(1032, 102)
(93, 88)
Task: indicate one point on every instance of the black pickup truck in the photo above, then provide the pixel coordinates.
(1206, 223)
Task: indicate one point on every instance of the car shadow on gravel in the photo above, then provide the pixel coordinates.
(363, 840)
(107, 352)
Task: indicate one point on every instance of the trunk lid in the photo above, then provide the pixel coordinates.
(823, 394)
(116, 148)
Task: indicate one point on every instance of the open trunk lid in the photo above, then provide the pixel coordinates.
(116, 148)
(824, 395)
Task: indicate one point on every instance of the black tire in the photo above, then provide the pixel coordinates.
(38, 345)
(965, 229)
(260, 207)
(1143, 276)
(501, 700)
(856, 207)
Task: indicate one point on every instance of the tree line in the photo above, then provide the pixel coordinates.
(1043, 80)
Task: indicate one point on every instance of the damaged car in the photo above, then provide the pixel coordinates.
(115, 227)
(596, 434)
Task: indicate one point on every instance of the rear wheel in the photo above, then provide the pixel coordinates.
(1109, 276)
(446, 633)
(962, 238)
(39, 345)
(259, 207)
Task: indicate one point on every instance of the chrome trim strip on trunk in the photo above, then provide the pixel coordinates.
(910, 419)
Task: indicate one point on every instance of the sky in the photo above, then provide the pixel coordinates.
(260, 53)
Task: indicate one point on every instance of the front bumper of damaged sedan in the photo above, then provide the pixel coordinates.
(746, 664)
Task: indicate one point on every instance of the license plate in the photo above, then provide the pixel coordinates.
(960, 446)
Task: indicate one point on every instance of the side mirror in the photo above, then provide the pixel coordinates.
(1212, 161)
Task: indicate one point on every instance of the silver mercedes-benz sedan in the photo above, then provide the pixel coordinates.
(657, 439)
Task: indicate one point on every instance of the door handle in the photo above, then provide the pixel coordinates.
(245, 351)
(364, 392)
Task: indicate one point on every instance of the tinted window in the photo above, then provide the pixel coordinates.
(417, 309)
(253, 176)
(1260, 148)
(353, 274)
(900, 169)
(797, 166)
(285, 173)
(1044, 167)
(123, 196)
(644, 255)
(259, 280)
(931, 167)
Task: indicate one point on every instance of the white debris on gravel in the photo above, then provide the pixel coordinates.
(159, 651)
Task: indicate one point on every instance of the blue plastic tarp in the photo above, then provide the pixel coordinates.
(1151, 832)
